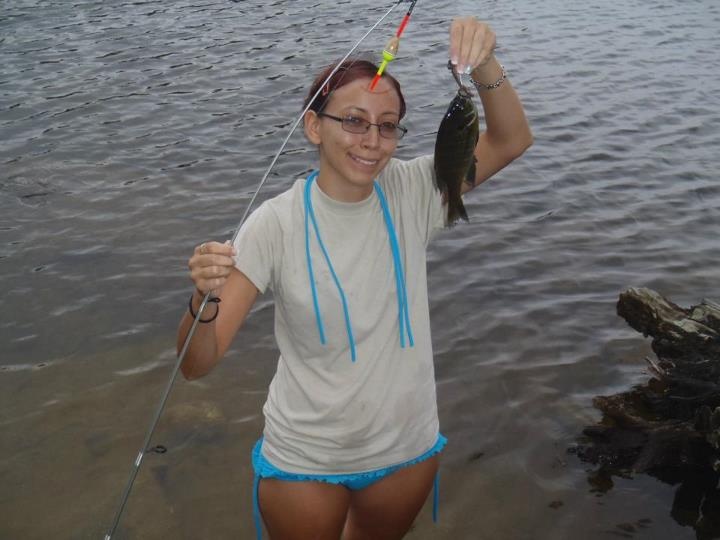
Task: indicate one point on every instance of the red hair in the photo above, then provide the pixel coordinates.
(349, 71)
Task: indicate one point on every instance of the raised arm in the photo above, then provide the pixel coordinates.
(507, 134)
(212, 269)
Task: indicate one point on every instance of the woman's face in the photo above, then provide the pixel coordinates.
(349, 162)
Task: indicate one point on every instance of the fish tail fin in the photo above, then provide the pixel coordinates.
(462, 211)
(456, 210)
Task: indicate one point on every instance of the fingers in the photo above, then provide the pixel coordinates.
(211, 265)
(215, 248)
(471, 43)
(488, 47)
(456, 35)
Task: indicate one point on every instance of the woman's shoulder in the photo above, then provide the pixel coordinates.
(279, 206)
(403, 169)
(411, 189)
(403, 177)
(274, 215)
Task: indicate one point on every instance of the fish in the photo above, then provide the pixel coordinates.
(455, 150)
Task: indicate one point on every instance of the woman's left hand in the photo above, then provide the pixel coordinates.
(471, 44)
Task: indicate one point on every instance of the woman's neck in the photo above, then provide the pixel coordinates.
(344, 192)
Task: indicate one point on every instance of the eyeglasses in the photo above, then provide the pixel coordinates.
(353, 124)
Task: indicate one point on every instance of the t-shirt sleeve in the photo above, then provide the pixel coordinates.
(415, 181)
(258, 246)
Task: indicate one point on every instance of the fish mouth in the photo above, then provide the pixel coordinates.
(464, 92)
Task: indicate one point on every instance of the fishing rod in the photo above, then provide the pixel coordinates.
(138, 460)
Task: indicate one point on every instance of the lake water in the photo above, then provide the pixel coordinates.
(133, 131)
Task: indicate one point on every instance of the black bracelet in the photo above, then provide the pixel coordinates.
(215, 301)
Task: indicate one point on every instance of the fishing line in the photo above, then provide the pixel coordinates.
(186, 344)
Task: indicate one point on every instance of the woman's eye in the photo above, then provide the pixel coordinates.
(388, 126)
(354, 120)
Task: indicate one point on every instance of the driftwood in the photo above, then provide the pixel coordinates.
(668, 428)
(673, 420)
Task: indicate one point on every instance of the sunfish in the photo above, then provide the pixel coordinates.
(454, 150)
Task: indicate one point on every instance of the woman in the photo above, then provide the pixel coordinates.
(351, 441)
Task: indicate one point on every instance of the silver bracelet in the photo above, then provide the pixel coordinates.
(480, 86)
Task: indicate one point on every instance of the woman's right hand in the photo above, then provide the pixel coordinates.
(210, 266)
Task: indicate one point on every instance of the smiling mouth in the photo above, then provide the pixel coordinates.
(368, 162)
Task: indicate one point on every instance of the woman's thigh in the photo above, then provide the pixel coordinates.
(302, 510)
(386, 509)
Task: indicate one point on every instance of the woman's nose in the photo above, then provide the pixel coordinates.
(371, 138)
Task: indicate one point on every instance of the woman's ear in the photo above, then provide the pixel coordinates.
(311, 123)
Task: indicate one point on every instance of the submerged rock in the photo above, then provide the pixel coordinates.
(193, 422)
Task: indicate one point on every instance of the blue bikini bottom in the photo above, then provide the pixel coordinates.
(264, 469)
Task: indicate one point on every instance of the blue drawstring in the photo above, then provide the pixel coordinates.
(316, 305)
(403, 313)
(346, 311)
(256, 507)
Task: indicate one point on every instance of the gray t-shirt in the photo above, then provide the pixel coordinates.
(324, 413)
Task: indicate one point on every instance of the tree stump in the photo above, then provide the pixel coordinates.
(673, 420)
(668, 428)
